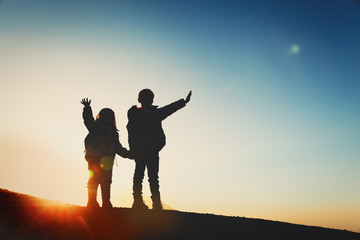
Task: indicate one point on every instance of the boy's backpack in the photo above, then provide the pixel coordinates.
(99, 143)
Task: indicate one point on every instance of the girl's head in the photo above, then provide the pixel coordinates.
(106, 116)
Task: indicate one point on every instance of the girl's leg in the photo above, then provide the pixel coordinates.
(92, 185)
(105, 184)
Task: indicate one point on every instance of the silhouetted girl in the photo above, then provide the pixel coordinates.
(101, 146)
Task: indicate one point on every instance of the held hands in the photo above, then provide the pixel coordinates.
(188, 97)
(130, 154)
(86, 102)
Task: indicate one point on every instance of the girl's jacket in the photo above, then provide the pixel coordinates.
(102, 141)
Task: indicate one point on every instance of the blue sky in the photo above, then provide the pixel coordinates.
(272, 130)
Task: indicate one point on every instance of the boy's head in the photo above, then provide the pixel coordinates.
(146, 97)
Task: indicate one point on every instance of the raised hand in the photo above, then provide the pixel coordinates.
(86, 102)
(188, 97)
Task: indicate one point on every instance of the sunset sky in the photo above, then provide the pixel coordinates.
(272, 130)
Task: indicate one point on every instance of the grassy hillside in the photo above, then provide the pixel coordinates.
(27, 217)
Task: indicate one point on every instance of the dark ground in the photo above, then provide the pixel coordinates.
(27, 217)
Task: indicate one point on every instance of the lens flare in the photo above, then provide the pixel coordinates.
(91, 173)
(295, 49)
(106, 163)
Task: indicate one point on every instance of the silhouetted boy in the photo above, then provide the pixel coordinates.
(101, 145)
(146, 139)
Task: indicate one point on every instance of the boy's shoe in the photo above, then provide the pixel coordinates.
(157, 206)
(139, 205)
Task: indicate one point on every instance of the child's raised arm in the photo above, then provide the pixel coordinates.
(87, 113)
(86, 102)
(188, 97)
(173, 107)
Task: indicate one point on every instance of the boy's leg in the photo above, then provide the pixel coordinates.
(137, 184)
(138, 177)
(153, 173)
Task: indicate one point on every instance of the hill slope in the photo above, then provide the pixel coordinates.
(27, 217)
